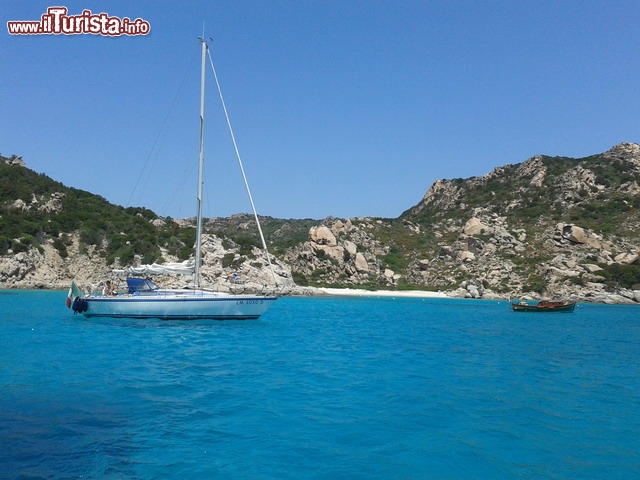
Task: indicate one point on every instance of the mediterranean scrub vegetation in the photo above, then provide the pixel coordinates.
(117, 232)
(121, 233)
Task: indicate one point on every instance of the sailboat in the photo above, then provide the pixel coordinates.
(144, 300)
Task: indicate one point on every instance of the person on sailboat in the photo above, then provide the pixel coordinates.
(109, 289)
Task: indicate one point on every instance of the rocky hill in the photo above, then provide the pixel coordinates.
(550, 226)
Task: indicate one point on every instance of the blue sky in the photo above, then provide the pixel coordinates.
(340, 107)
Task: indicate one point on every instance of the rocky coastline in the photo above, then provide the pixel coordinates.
(521, 231)
(46, 269)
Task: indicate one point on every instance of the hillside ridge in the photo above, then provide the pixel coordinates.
(547, 227)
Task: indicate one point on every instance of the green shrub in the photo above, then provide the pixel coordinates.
(300, 279)
(625, 276)
(61, 246)
(394, 260)
(535, 283)
(228, 259)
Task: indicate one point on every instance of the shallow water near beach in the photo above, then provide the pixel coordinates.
(321, 388)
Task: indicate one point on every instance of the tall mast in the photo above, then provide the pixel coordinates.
(200, 169)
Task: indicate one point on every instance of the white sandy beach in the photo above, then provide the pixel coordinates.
(356, 292)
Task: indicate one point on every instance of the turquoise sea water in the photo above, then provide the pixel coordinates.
(321, 388)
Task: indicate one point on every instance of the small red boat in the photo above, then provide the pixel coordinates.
(544, 306)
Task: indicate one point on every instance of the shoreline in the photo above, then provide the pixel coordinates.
(609, 299)
(358, 292)
(355, 292)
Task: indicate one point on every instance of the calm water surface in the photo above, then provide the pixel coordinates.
(321, 388)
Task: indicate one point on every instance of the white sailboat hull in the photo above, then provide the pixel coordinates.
(179, 305)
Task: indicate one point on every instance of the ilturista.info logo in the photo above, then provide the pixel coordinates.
(57, 21)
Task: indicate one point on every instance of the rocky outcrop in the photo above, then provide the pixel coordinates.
(497, 245)
(44, 267)
(322, 235)
(224, 269)
(14, 160)
(48, 204)
(625, 153)
(487, 250)
(343, 251)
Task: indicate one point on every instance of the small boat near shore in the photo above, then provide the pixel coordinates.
(544, 306)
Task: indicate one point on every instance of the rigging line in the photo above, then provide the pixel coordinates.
(162, 128)
(244, 176)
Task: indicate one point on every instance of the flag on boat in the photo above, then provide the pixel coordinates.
(74, 292)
